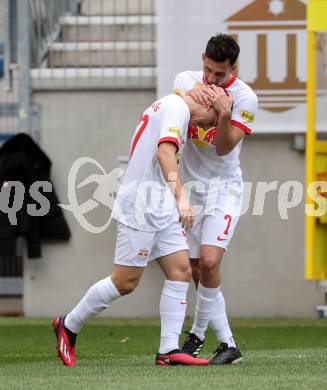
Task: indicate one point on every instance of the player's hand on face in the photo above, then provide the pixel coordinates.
(199, 96)
(186, 213)
(221, 100)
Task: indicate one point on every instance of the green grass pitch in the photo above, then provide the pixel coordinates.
(119, 354)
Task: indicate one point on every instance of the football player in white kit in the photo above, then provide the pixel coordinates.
(211, 158)
(151, 211)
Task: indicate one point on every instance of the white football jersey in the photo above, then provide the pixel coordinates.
(144, 201)
(199, 160)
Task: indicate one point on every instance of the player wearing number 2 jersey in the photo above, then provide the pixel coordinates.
(148, 209)
(211, 159)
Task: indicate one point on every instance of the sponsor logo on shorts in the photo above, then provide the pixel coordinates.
(221, 238)
(143, 253)
(247, 116)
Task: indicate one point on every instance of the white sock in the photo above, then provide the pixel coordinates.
(219, 322)
(94, 302)
(172, 313)
(204, 306)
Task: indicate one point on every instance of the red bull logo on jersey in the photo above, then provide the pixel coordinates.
(201, 137)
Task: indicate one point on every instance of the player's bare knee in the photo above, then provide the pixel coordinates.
(208, 263)
(182, 274)
(126, 285)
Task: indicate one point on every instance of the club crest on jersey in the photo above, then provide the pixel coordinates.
(201, 137)
(143, 253)
(176, 131)
(247, 116)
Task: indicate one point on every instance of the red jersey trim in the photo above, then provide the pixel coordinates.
(169, 139)
(230, 82)
(242, 127)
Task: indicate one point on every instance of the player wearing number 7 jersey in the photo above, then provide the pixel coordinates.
(151, 212)
(211, 158)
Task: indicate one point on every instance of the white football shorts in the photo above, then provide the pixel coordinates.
(136, 248)
(216, 227)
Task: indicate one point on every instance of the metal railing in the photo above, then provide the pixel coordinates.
(27, 30)
(101, 44)
(45, 24)
(8, 85)
(63, 44)
(98, 44)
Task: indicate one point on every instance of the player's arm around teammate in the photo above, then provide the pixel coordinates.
(226, 139)
(217, 151)
(228, 135)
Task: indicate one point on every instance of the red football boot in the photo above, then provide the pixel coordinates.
(176, 357)
(65, 352)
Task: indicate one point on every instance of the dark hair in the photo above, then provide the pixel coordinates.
(222, 47)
